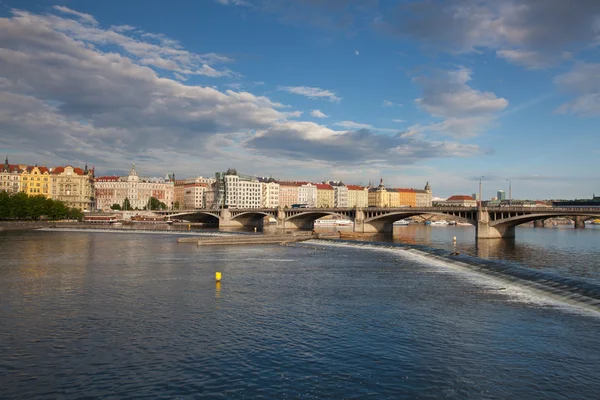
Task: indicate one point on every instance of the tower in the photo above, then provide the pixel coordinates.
(427, 187)
(6, 165)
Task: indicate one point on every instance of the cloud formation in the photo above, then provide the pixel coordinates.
(318, 114)
(311, 92)
(534, 33)
(465, 111)
(583, 81)
(67, 98)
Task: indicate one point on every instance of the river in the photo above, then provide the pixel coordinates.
(130, 315)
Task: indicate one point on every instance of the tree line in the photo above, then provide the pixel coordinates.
(21, 206)
(153, 204)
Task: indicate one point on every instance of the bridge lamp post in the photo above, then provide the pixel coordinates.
(509, 192)
(480, 179)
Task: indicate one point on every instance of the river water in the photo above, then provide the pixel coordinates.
(129, 315)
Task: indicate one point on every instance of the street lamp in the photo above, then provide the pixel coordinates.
(509, 192)
(480, 179)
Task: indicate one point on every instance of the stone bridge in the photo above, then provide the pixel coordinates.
(490, 223)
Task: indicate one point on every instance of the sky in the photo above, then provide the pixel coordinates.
(445, 92)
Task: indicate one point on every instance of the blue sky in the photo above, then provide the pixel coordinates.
(411, 91)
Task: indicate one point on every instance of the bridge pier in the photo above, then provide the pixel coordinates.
(539, 223)
(580, 222)
(484, 230)
(225, 220)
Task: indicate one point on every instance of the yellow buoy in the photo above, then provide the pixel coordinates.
(455, 238)
(218, 276)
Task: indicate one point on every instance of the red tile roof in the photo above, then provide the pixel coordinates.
(107, 178)
(324, 186)
(355, 187)
(460, 197)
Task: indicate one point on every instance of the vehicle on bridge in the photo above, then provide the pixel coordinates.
(300, 206)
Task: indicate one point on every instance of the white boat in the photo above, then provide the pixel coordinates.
(464, 224)
(333, 222)
(439, 223)
(402, 222)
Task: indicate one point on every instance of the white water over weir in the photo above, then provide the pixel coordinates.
(519, 283)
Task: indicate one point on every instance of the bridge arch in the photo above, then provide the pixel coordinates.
(523, 219)
(396, 216)
(306, 219)
(197, 216)
(253, 215)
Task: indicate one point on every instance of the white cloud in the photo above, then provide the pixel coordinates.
(63, 98)
(318, 114)
(398, 120)
(526, 58)
(583, 81)
(311, 92)
(353, 125)
(525, 32)
(233, 2)
(387, 103)
(466, 111)
(356, 52)
(293, 114)
(155, 50)
(82, 16)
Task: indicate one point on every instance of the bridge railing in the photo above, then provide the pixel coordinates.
(395, 209)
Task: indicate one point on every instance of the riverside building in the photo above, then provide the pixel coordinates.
(115, 189)
(10, 177)
(233, 190)
(325, 195)
(269, 193)
(73, 186)
(358, 196)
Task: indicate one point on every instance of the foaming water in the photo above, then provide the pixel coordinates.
(513, 280)
(86, 314)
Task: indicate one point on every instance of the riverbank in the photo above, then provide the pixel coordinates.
(24, 225)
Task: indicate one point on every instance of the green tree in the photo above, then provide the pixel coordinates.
(115, 207)
(126, 205)
(75, 213)
(155, 204)
(176, 205)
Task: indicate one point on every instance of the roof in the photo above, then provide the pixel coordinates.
(355, 187)
(11, 168)
(406, 190)
(323, 186)
(460, 197)
(108, 178)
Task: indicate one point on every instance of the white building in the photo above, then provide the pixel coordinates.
(340, 195)
(424, 196)
(233, 190)
(115, 189)
(307, 194)
(270, 193)
(195, 192)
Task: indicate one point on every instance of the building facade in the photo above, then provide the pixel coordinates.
(358, 196)
(308, 194)
(423, 197)
(192, 193)
(35, 181)
(461, 201)
(378, 196)
(233, 190)
(325, 195)
(10, 178)
(270, 193)
(408, 198)
(288, 194)
(114, 190)
(340, 195)
(73, 186)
